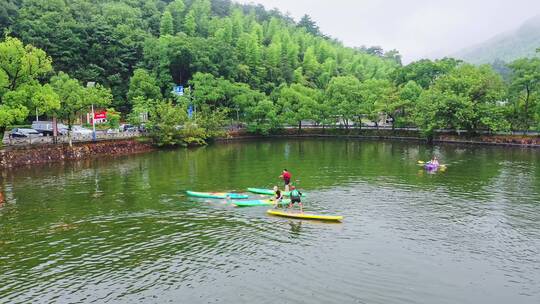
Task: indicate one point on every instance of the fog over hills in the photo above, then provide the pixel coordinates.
(507, 46)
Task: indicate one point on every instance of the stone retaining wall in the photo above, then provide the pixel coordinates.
(46, 140)
(15, 157)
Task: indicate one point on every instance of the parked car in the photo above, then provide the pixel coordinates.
(79, 130)
(46, 127)
(20, 132)
(128, 128)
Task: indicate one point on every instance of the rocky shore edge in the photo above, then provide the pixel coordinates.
(41, 154)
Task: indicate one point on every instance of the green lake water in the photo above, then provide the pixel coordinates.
(122, 231)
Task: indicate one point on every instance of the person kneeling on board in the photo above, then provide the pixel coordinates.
(278, 197)
(296, 198)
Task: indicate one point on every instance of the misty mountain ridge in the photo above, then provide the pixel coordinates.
(507, 46)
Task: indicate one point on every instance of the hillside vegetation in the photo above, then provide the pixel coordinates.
(238, 63)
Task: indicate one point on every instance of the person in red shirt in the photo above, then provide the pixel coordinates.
(286, 176)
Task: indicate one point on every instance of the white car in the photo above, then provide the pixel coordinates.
(113, 131)
(79, 130)
(46, 127)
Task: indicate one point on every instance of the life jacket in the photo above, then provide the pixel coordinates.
(295, 194)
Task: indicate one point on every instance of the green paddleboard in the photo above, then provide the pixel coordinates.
(255, 203)
(268, 191)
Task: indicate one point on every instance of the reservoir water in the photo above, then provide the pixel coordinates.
(122, 231)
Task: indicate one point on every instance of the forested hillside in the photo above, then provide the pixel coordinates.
(105, 41)
(242, 62)
(506, 47)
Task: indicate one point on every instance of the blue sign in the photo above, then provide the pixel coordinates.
(178, 90)
(190, 111)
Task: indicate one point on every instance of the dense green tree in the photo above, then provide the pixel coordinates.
(425, 72)
(378, 97)
(210, 91)
(310, 65)
(393, 55)
(311, 27)
(201, 12)
(49, 25)
(166, 26)
(142, 84)
(44, 100)
(177, 9)
(75, 98)
(374, 50)
(263, 117)
(165, 123)
(344, 97)
(298, 103)
(8, 14)
(221, 8)
(20, 68)
(21, 64)
(466, 98)
(440, 110)
(190, 24)
(113, 119)
(525, 89)
(408, 96)
(141, 109)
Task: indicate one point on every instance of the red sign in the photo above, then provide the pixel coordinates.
(100, 115)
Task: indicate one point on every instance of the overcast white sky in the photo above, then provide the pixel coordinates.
(417, 28)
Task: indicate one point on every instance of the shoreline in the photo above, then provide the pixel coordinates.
(412, 136)
(13, 157)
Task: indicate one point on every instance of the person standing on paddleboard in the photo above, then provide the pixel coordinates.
(296, 198)
(286, 176)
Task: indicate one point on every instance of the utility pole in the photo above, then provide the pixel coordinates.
(92, 84)
(93, 124)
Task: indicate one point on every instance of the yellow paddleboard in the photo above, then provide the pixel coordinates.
(305, 216)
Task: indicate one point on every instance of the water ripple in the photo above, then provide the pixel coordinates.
(122, 231)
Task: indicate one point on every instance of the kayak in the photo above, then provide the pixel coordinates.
(256, 203)
(305, 216)
(268, 191)
(218, 195)
(431, 167)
